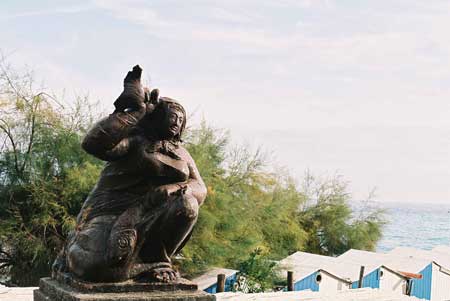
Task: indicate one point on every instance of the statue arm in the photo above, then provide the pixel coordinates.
(195, 182)
(109, 138)
(194, 185)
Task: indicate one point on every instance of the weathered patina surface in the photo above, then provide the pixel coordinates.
(146, 201)
(54, 290)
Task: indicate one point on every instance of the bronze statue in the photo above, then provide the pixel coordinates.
(146, 202)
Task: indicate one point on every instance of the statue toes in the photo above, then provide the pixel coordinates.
(166, 277)
(173, 276)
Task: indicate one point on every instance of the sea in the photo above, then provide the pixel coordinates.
(421, 226)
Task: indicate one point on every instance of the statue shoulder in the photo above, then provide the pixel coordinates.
(184, 154)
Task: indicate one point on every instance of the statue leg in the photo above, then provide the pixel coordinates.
(127, 236)
(169, 233)
(107, 247)
(86, 250)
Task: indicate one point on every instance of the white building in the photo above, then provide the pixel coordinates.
(436, 282)
(208, 281)
(320, 273)
(438, 254)
(428, 279)
(365, 294)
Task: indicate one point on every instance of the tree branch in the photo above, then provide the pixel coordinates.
(8, 133)
(31, 140)
(11, 83)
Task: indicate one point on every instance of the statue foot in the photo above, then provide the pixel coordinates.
(158, 272)
(58, 266)
(164, 275)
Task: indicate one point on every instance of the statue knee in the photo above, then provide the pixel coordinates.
(188, 209)
(85, 251)
(121, 245)
(81, 262)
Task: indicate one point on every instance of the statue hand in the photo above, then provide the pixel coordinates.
(132, 97)
(163, 192)
(187, 190)
(151, 99)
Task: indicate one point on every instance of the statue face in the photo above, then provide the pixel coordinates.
(173, 122)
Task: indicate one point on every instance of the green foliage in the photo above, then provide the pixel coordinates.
(332, 225)
(250, 218)
(44, 177)
(246, 208)
(259, 271)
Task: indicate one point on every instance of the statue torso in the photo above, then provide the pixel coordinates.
(147, 165)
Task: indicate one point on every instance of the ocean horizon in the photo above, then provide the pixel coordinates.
(417, 225)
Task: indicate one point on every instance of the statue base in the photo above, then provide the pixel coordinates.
(75, 290)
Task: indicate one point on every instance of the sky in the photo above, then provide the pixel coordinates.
(349, 87)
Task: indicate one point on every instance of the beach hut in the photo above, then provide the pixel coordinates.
(365, 294)
(318, 280)
(384, 278)
(393, 273)
(436, 275)
(439, 255)
(376, 275)
(208, 281)
(316, 272)
(427, 279)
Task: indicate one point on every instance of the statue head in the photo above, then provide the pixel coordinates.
(168, 120)
(174, 120)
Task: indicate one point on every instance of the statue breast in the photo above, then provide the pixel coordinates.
(157, 162)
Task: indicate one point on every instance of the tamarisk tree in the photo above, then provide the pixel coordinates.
(41, 163)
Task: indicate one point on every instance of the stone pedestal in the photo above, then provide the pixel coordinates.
(70, 289)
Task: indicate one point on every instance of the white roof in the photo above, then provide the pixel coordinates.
(394, 262)
(364, 294)
(17, 293)
(440, 258)
(307, 259)
(210, 277)
(303, 264)
(442, 249)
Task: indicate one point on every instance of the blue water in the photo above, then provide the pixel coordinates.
(421, 226)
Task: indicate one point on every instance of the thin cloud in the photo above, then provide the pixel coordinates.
(303, 65)
(232, 16)
(172, 29)
(52, 11)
